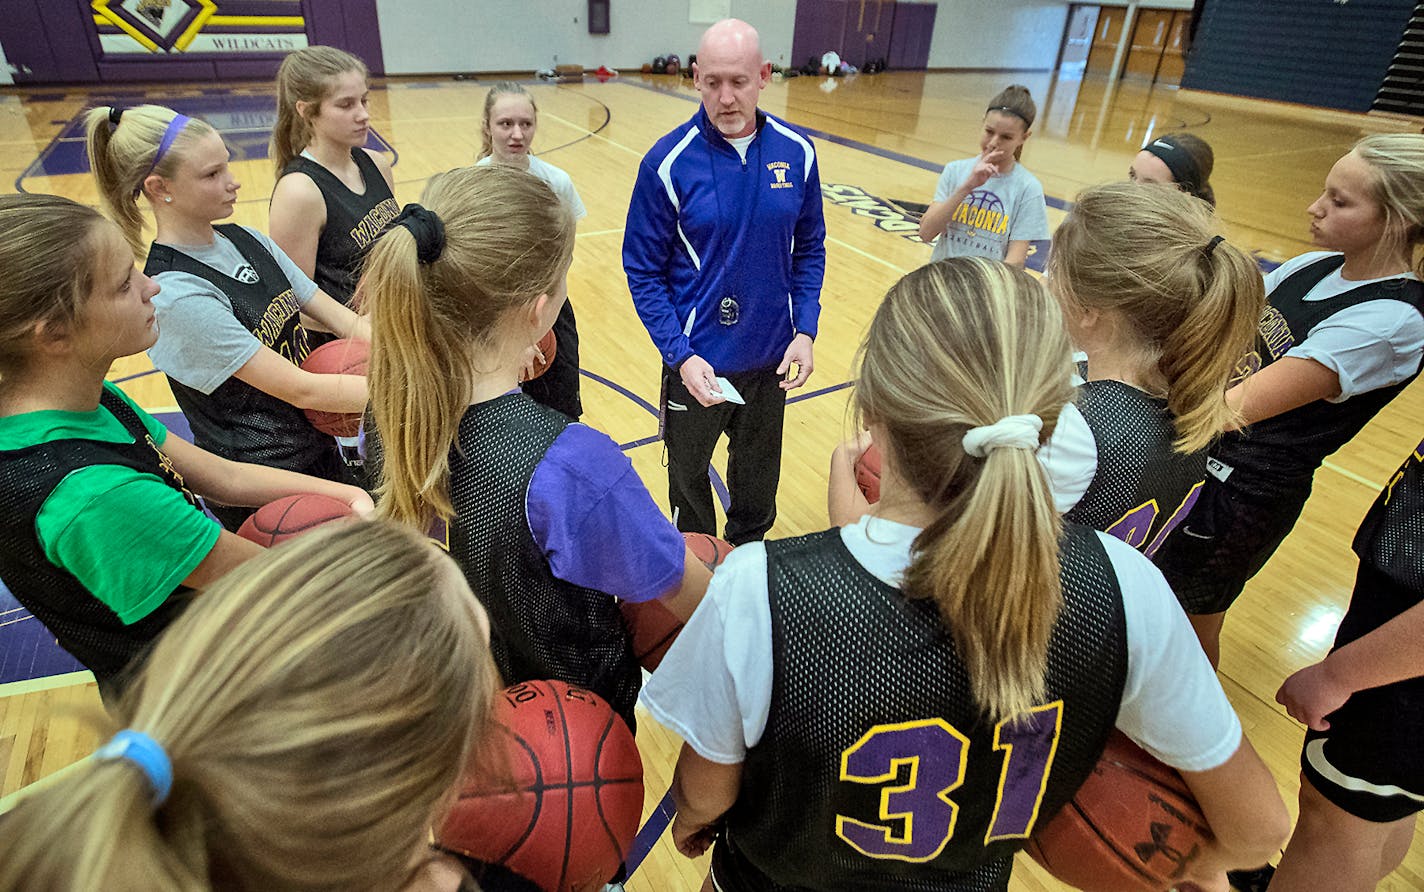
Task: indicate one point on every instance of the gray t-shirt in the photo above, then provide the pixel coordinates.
(1007, 208)
(200, 342)
(557, 179)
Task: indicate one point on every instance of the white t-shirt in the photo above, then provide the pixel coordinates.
(714, 685)
(1008, 207)
(1070, 459)
(1368, 346)
(200, 342)
(559, 181)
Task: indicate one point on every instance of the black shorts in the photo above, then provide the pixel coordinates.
(1225, 540)
(732, 872)
(1369, 762)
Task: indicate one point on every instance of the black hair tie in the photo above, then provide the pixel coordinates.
(115, 112)
(427, 229)
(1211, 245)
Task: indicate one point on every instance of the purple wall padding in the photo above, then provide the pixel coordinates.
(910, 42)
(53, 45)
(820, 26)
(349, 24)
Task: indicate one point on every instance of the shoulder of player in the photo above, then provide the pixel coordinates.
(298, 192)
(380, 160)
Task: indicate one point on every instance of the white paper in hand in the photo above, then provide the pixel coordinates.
(729, 393)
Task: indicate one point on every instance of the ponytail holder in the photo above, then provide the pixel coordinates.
(427, 229)
(115, 112)
(147, 755)
(1014, 431)
(1211, 245)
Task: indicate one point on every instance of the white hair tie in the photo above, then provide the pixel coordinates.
(1017, 431)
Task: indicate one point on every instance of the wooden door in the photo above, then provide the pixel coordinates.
(1174, 56)
(1105, 37)
(1149, 40)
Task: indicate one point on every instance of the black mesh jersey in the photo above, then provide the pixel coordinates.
(1278, 456)
(541, 626)
(876, 770)
(237, 420)
(83, 625)
(1391, 538)
(1143, 487)
(353, 221)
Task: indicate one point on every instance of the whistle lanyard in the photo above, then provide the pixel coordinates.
(732, 311)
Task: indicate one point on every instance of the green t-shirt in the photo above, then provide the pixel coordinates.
(128, 537)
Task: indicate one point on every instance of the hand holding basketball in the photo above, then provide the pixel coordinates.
(344, 356)
(539, 357)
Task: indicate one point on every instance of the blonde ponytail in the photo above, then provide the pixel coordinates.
(508, 240)
(121, 158)
(312, 737)
(991, 341)
(1191, 301)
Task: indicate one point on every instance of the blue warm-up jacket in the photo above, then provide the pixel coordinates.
(704, 225)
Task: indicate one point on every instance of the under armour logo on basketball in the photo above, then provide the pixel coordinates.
(1158, 846)
(247, 275)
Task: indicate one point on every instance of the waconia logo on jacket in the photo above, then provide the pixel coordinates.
(886, 215)
(779, 170)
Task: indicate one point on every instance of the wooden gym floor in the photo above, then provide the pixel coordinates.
(882, 139)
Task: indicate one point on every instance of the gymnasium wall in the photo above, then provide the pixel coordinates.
(516, 35)
(1018, 34)
(1315, 52)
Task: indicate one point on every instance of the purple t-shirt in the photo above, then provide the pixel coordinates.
(596, 523)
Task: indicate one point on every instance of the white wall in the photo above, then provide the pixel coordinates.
(436, 36)
(997, 34)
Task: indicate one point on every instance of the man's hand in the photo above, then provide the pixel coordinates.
(701, 381)
(798, 353)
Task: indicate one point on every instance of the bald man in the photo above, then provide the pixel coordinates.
(725, 254)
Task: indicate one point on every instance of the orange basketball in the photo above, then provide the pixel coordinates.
(867, 473)
(1132, 827)
(549, 346)
(654, 628)
(291, 516)
(564, 808)
(346, 356)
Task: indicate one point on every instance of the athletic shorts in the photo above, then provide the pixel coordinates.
(1225, 540)
(1368, 763)
(732, 872)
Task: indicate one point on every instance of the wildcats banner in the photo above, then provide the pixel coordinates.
(172, 28)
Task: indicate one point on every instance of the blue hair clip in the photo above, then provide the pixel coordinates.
(147, 754)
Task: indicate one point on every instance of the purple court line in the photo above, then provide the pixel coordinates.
(650, 832)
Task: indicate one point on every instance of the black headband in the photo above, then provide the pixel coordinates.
(1183, 167)
(115, 112)
(1011, 111)
(427, 229)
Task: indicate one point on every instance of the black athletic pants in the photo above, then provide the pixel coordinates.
(558, 387)
(690, 432)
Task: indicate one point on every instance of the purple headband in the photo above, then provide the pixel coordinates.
(175, 127)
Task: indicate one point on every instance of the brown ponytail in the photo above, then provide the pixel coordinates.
(1149, 254)
(508, 240)
(991, 341)
(121, 159)
(304, 76)
(1017, 101)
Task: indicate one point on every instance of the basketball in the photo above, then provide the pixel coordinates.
(654, 628)
(1132, 827)
(867, 473)
(564, 808)
(289, 516)
(346, 356)
(549, 346)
